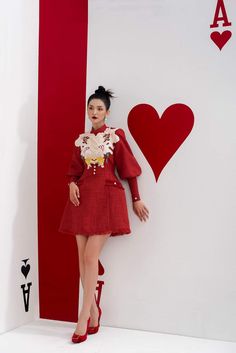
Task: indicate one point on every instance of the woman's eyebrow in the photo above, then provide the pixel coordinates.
(99, 106)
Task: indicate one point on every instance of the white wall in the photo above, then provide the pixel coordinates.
(176, 273)
(18, 149)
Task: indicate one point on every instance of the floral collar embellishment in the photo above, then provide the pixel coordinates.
(96, 149)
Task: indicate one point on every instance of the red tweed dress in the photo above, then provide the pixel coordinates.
(103, 208)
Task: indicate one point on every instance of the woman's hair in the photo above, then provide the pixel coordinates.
(102, 94)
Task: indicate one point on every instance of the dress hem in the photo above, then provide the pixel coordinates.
(112, 233)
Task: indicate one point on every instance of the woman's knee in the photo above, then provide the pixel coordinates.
(93, 249)
(90, 258)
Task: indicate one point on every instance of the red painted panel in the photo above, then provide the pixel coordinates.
(61, 117)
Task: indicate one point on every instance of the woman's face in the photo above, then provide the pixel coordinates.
(97, 112)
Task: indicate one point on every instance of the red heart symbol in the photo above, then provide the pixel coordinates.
(158, 138)
(100, 268)
(220, 39)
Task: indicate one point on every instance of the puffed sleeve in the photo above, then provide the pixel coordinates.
(126, 164)
(76, 166)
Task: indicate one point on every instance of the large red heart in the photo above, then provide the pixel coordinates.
(158, 138)
(220, 39)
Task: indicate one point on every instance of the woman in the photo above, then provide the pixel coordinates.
(96, 208)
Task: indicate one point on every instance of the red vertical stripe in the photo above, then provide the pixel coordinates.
(61, 115)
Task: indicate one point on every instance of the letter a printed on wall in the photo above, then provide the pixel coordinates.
(220, 38)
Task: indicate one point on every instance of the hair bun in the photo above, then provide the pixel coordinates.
(100, 90)
(104, 95)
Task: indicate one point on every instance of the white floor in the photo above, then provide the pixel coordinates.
(44, 336)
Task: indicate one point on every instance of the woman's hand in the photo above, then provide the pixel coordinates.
(74, 193)
(140, 210)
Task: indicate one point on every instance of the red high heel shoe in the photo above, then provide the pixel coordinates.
(94, 329)
(76, 338)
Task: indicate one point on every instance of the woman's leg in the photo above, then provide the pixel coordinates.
(92, 250)
(81, 244)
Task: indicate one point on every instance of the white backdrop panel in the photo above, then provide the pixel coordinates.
(176, 273)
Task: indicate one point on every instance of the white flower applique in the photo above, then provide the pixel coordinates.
(96, 149)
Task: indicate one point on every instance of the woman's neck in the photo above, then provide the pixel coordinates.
(95, 127)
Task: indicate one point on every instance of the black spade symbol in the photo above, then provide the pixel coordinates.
(25, 270)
